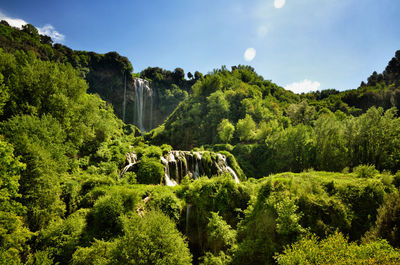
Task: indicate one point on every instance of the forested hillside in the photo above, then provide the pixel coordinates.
(263, 175)
(107, 75)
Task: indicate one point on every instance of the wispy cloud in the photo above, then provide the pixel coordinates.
(47, 29)
(303, 86)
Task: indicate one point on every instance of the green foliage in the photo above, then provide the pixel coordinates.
(14, 238)
(10, 168)
(234, 95)
(165, 200)
(388, 220)
(40, 143)
(62, 237)
(220, 235)
(365, 171)
(13, 233)
(104, 220)
(42, 257)
(152, 239)
(151, 171)
(99, 253)
(220, 259)
(246, 129)
(329, 143)
(336, 250)
(292, 149)
(301, 113)
(203, 196)
(272, 222)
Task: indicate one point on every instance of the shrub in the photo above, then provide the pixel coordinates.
(388, 221)
(151, 171)
(336, 250)
(151, 239)
(365, 171)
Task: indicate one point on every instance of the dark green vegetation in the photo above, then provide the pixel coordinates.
(63, 201)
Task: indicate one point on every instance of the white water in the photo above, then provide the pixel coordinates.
(132, 159)
(181, 163)
(229, 169)
(143, 103)
(168, 180)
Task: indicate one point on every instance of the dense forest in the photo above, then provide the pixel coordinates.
(266, 176)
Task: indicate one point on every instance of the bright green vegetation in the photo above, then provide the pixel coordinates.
(270, 130)
(320, 174)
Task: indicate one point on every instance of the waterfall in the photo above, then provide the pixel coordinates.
(168, 180)
(178, 164)
(143, 107)
(131, 158)
(188, 206)
(229, 169)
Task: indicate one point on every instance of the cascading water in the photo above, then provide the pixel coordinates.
(131, 158)
(143, 107)
(168, 180)
(178, 164)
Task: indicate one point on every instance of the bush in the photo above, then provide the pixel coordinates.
(220, 235)
(151, 171)
(336, 250)
(104, 220)
(151, 239)
(365, 171)
(63, 237)
(388, 221)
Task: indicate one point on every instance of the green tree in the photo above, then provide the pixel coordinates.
(331, 151)
(220, 235)
(387, 223)
(246, 129)
(225, 131)
(218, 108)
(336, 250)
(40, 142)
(13, 233)
(301, 113)
(151, 171)
(292, 149)
(152, 239)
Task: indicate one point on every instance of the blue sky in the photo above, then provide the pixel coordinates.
(298, 44)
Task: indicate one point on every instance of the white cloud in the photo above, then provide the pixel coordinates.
(262, 31)
(303, 86)
(249, 54)
(14, 22)
(51, 32)
(47, 29)
(279, 3)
